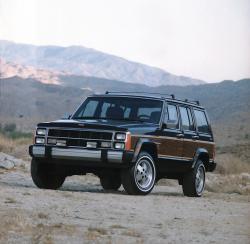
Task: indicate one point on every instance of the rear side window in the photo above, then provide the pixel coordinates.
(201, 121)
(186, 118)
(172, 117)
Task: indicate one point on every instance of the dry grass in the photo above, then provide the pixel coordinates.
(93, 233)
(231, 164)
(117, 226)
(233, 183)
(15, 147)
(42, 216)
(10, 200)
(131, 233)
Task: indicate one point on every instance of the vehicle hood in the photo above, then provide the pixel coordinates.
(103, 124)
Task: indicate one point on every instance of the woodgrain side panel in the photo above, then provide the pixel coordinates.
(191, 146)
(166, 145)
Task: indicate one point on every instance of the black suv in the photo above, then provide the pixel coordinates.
(133, 140)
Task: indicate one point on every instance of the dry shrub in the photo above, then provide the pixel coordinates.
(131, 233)
(230, 164)
(234, 183)
(15, 147)
(94, 233)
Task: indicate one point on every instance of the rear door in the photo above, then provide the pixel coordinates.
(191, 137)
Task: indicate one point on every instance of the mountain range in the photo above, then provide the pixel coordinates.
(82, 61)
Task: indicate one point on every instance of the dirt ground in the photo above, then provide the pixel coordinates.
(81, 212)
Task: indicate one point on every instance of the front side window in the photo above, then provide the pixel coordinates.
(120, 108)
(90, 109)
(171, 118)
(201, 121)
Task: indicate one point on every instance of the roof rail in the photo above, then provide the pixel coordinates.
(155, 93)
(146, 93)
(194, 102)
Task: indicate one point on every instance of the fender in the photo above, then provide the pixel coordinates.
(139, 145)
(200, 152)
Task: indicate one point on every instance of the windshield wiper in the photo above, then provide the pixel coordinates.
(87, 117)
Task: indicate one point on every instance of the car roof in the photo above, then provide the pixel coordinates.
(153, 96)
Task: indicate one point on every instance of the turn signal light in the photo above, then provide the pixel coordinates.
(128, 141)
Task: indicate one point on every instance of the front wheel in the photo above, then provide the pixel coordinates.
(111, 181)
(45, 175)
(140, 179)
(194, 181)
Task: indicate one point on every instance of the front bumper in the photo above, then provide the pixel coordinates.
(78, 154)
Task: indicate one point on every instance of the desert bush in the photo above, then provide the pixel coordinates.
(10, 146)
(231, 164)
(19, 134)
(233, 183)
(10, 131)
(9, 127)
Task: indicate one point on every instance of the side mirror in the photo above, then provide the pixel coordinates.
(66, 116)
(172, 124)
(164, 126)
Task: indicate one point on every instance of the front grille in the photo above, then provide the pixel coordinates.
(81, 134)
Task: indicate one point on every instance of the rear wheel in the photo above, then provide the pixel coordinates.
(194, 181)
(45, 175)
(110, 181)
(140, 179)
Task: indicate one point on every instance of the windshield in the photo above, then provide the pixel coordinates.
(120, 108)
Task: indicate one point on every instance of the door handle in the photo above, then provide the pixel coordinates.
(180, 135)
(195, 137)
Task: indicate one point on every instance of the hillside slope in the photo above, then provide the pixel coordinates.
(79, 60)
(226, 102)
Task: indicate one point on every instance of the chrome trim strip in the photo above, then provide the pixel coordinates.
(171, 138)
(114, 157)
(175, 158)
(75, 138)
(38, 151)
(64, 153)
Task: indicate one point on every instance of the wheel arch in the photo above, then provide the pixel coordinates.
(145, 145)
(202, 154)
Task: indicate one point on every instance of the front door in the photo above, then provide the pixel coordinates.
(172, 143)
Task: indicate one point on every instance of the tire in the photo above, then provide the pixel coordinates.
(140, 179)
(110, 182)
(194, 181)
(45, 176)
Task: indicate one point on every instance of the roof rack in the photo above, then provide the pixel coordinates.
(155, 93)
(146, 93)
(194, 102)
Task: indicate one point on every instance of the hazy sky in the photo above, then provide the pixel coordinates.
(205, 39)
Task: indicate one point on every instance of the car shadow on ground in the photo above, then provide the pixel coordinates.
(26, 182)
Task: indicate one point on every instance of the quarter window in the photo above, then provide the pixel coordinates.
(201, 121)
(172, 117)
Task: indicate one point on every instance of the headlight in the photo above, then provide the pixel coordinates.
(119, 145)
(40, 140)
(52, 141)
(120, 136)
(106, 144)
(41, 132)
